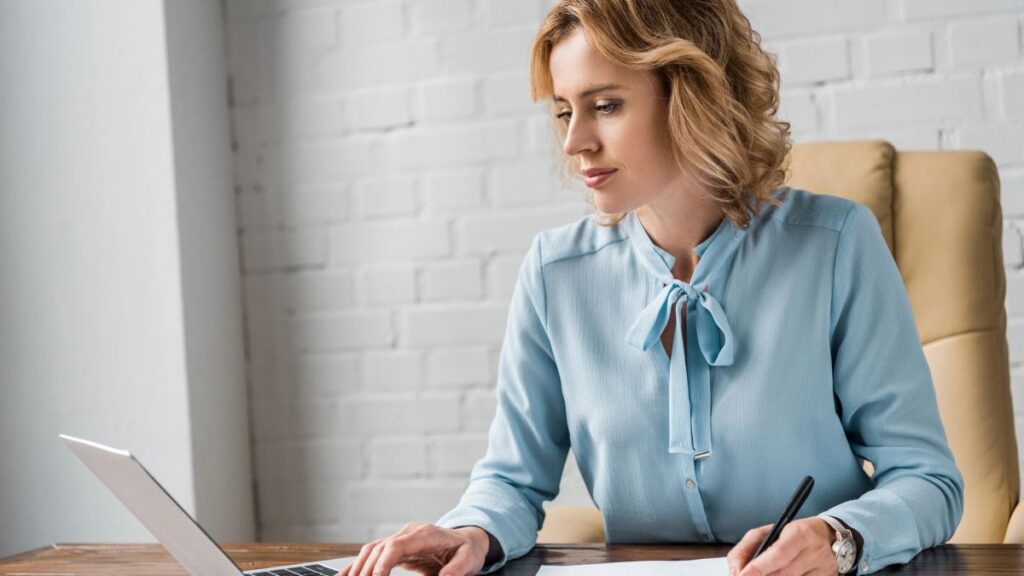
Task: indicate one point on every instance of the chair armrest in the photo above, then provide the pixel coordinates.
(572, 525)
(1015, 528)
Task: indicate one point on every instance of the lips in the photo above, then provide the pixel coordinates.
(599, 179)
(594, 177)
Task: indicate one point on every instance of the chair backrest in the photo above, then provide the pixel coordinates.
(940, 214)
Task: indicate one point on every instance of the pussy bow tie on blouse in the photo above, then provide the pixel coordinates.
(716, 343)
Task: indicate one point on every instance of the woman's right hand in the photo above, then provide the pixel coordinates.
(424, 548)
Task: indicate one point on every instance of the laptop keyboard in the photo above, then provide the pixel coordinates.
(305, 570)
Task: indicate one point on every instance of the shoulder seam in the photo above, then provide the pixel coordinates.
(842, 228)
(815, 225)
(587, 253)
(796, 218)
(543, 286)
(835, 260)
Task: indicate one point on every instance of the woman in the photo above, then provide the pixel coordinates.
(714, 342)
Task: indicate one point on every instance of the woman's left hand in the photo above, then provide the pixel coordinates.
(803, 548)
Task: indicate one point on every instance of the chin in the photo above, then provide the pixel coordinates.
(609, 205)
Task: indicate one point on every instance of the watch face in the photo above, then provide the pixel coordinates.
(846, 555)
(847, 549)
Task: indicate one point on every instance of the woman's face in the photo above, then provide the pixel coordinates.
(624, 128)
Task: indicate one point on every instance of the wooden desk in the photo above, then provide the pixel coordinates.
(152, 559)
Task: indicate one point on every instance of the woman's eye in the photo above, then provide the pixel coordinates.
(605, 109)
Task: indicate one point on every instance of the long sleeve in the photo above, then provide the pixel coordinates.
(888, 405)
(528, 440)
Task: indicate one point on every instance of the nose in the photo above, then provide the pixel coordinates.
(579, 137)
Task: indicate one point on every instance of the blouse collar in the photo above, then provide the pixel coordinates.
(658, 261)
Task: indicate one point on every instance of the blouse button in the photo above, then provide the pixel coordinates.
(690, 484)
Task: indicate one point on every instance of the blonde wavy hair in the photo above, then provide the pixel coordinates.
(723, 90)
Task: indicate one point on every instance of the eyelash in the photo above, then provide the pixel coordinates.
(606, 109)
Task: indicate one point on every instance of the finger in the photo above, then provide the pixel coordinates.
(364, 553)
(461, 564)
(793, 539)
(371, 560)
(430, 541)
(347, 570)
(419, 542)
(391, 555)
(355, 568)
(744, 550)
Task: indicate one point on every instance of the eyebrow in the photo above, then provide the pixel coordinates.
(592, 90)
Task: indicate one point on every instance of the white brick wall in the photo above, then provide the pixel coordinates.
(391, 171)
(899, 51)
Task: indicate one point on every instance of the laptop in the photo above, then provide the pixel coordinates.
(171, 525)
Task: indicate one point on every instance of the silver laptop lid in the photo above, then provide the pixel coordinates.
(154, 507)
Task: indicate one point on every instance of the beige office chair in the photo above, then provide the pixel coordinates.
(940, 214)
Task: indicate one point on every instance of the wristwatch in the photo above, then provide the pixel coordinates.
(845, 546)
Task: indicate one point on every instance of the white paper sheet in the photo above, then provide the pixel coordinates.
(702, 567)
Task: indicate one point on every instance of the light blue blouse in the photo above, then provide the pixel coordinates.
(801, 358)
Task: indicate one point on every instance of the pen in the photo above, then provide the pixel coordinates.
(794, 506)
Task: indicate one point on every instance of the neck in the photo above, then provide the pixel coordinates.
(678, 224)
